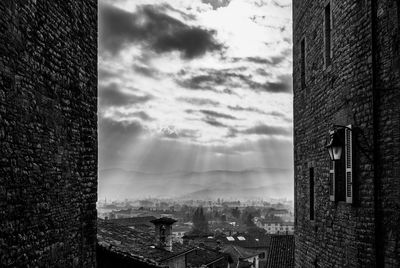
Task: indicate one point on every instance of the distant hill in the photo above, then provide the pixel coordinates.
(257, 182)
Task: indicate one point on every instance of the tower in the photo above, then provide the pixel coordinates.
(346, 85)
(163, 232)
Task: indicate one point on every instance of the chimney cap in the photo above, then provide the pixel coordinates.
(163, 220)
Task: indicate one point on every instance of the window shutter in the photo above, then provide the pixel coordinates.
(349, 164)
(332, 181)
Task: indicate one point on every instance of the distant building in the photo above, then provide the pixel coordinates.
(178, 232)
(346, 85)
(276, 227)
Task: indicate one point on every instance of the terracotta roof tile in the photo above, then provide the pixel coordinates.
(281, 253)
(136, 244)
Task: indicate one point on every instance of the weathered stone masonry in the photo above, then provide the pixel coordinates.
(361, 87)
(48, 133)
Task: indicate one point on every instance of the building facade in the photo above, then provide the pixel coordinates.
(276, 227)
(346, 77)
(48, 133)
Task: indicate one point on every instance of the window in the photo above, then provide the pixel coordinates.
(312, 194)
(349, 164)
(328, 35)
(303, 63)
(341, 175)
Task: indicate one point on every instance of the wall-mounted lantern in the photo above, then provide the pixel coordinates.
(335, 145)
(336, 142)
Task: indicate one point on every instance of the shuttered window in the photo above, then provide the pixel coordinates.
(349, 164)
(341, 172)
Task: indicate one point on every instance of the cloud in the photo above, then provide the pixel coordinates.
(192, 42)
(111, 95)
(105, 74)
(210, 79)
(204, 81)
(199, 101)
(145, 70)
(151, 28)
(213, 122)
(283, 85)
(172, 133)
(248, 109)
(131, 116)
(268, 130)
(217, 3)
(274, 60)
(217, 114)
(287, 5)
(114, 137)
(113, 133)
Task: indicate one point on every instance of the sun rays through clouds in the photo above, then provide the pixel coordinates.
(195, 86)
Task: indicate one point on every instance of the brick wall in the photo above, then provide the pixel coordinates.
(48, 133)
(342, 234)
(387, 57)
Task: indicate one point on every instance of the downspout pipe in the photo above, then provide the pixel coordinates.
(379, 234)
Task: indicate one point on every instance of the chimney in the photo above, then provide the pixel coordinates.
(163, 228)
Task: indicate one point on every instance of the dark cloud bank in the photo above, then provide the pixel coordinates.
(154, 30)
(233, 79)
(111, 95)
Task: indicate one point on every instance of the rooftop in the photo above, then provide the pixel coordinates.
(248, 241)
(135, 244)
(239, 252)
(203, 256)
(163, 220)
(281, 253)
(134, 220)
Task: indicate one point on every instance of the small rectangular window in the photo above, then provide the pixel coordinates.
(303, 63)
(312, 193)
(328, 35)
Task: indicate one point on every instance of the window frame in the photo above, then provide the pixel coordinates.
(328, 42)
(341, 172)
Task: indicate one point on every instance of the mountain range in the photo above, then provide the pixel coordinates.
(228, 184)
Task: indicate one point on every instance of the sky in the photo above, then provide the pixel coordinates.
(195, 85)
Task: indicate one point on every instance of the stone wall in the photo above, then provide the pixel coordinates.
(387, 70)
(360, 87)
(48, 133)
